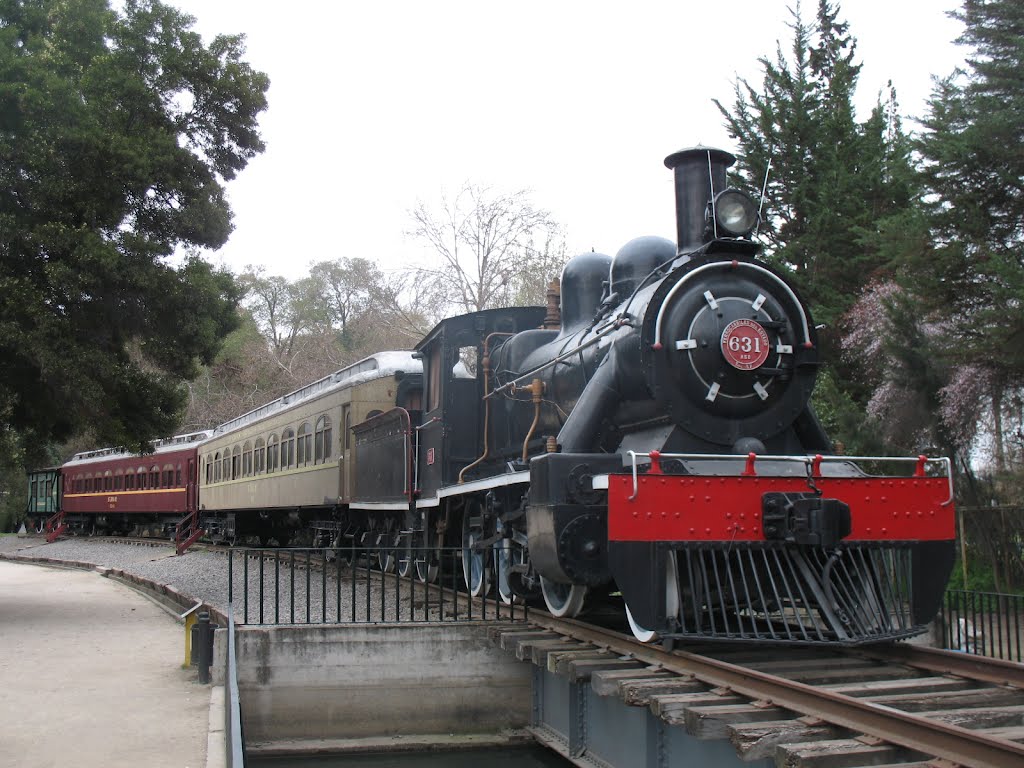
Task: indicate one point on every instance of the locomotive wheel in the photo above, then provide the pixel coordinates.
(428, 558)
(643, 634)
(506, 555)
(407, 559)
(476, 570)
(565, 601)
(386, 558)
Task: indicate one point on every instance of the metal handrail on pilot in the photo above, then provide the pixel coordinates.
(811, 462)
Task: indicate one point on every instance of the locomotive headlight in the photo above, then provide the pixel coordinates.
(735, 213)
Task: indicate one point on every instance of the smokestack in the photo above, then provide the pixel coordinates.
(695, 178)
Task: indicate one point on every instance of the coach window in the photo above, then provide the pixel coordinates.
(259, 457)
(177, 477)
(216, 468)
(129, 480)
(209, 469)
(287, 449)
(247, 460)
(108, 481)
(304, 445)
(272, 454)
(119, 480)
(88, 483)
(323, 439)
(348, 429)
(140, 477)
(154, 476)
(236, 463)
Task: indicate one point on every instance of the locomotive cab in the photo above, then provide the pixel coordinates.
(453, 406)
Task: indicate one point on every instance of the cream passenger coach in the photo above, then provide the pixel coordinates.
(295, 454)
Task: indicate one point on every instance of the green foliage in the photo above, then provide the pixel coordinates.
(843, 418)
(117, 132)
(834, 182)
(974, 171)
(972, 163)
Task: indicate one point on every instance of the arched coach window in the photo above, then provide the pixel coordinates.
(323, 439)
(209, 469)
(236, 463)
(304, 445)
(287, 449)
(259, 457)
(118, 479)
(154, 476)
(216, 468)
(88, 483)
(129, 479)
(167, 476)
(108, 480)
(273, 454)
(247, 460)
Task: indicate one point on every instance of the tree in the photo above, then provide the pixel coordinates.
(486, 244)
(118, 131)
(834, 181)
(974, 169)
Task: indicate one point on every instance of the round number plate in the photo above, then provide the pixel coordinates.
(745, 344)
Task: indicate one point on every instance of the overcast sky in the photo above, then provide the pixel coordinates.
(376, 105)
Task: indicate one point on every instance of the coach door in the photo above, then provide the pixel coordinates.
(190, 486)
(345, 452)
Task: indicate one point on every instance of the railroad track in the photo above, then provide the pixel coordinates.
(813, 707)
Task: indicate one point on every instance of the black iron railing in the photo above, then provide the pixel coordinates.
(360, 585)
(984, 623)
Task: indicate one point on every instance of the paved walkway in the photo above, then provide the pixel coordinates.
(91, 677)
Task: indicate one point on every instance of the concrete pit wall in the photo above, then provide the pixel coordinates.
(340, 683)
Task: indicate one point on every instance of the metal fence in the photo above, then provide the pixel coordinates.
(984, 623)
(361, 585)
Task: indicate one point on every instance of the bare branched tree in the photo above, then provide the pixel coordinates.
(486, 243)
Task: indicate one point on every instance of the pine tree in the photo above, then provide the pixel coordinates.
(973, 157)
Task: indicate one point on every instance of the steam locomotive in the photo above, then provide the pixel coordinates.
(657, 441)
(648, 436)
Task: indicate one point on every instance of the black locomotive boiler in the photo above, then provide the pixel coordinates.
(656, 440)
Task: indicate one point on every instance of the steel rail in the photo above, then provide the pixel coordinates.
(959, 745)
(970, 666)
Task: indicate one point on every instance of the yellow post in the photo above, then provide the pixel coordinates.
(190, 616)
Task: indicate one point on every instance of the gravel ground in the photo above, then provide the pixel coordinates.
(359, 596)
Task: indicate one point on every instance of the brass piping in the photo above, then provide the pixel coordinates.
(536, 389)
(486, 362)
